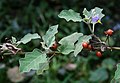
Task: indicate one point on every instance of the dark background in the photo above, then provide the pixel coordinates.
(19, 17)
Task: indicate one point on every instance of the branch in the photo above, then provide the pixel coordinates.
(109, 48)
(19, 53)
(114, 48)
(23, 53)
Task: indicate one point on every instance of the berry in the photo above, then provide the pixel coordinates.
(85, 45)
(90, 47)
(98, 54)
(109, 32)
(54, 46)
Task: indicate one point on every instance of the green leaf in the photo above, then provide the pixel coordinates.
(71, 38)
(98, 75)
(117, 72)
(67, 43)
(108, 63)
(70, 15)
(35, 60)
(49, 37)
(66, 47)
(78, 45)
(27, 38)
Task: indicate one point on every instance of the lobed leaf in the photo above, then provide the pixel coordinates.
(70, 15)
(35, 60)
(67, 43)
(86, 13)
(66, 47)
(49, 37)
(71, 38)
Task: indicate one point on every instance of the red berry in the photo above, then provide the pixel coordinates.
(98, 54)
(109, 32)
(85, 44)
(90, 47)
(54, 46)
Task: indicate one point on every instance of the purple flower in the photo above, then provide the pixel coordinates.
(95, 19)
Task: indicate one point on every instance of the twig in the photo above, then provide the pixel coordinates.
(51, 57)
(106, 39)
(114, 48)
(109, 48)
(20, 53)
(97, 38)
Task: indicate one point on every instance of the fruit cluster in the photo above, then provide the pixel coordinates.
(90, 47)
(94, 41)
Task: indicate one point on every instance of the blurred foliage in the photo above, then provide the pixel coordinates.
(19, 17)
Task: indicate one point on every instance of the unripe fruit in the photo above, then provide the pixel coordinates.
(85, 44)
(98, 54)
(109, 32)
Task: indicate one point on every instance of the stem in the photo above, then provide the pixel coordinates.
(90, 28)
(114, 48)
(20, 53)
(93, 28)
(109, 48)
(107, 39)
(97, 38)
(51, 57)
